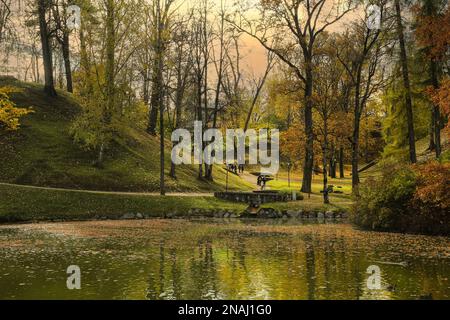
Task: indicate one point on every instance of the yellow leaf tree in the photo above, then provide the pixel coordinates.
(10, 114)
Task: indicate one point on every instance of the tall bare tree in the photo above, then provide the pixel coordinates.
(327, 93)
(290, 29)
(258, 85)
(436, 56)
(161, 15)
(181, 59)
(5, 17)
(43, 9)
(406, 83)
(201, 41)
(62, 33)
(110, 75)
(361, 53)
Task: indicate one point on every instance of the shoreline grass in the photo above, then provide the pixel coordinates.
(22, 204)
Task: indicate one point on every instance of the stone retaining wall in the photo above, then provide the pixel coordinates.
(263, 213)
(253, 197)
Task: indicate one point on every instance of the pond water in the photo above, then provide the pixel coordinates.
(218, 259)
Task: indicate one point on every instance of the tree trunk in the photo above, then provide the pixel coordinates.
(46, 49)
(437, 131)
(153, 118)
(208, 168)
(60, 78)
(181, 83)
(200, 118)
(436, 112)
(324, 164)
(355, 157)
(99, 162)
(366, 143)
(178, 106)
(332, 170)
(162, 187)
(84, 60)
(110, 60)
(406, 84)
(341, 163)
(154, 105)
(109, 75)
(145, 89)
(173, 172)
(160, 97)
(256, 96)
(66, 56)
(431, 144)
(309, 152)
(355, 136)
(65, 45)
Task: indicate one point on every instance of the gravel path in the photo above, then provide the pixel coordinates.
(171, 194)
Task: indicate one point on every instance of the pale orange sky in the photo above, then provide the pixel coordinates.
(253, 54)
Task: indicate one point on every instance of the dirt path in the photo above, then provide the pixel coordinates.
(424, 155)
(172, 194)
(250, 178)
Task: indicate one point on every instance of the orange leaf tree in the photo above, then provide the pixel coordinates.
(441, 97)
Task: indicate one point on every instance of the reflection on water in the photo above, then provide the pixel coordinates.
(213, 259)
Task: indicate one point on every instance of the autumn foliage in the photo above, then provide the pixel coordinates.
(406, 198)
(10, 114)
(433, 32)
(433, 187)
(441, 97)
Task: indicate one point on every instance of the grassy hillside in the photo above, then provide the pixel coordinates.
(423, 155)
(42, 153)
(27, 204)
(23, 203)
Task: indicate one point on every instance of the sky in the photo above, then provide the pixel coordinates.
(253, 54)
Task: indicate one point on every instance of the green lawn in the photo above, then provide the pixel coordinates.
(30, 204)
(314, 202)
(317, 185)
(25, 204)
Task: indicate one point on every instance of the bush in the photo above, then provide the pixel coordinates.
(431, 199)
(288, 193)
(445, 157)
(9, 113)
(406, 198)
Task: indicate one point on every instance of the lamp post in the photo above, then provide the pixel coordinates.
(226, 183)
(289, 173)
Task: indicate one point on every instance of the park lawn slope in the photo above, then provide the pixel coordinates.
(29, 204)
(42, 153)
(314, 203)
(24, 204)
